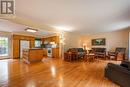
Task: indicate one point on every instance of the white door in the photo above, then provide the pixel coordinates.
(24, 44)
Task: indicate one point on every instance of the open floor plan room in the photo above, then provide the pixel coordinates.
(64, 43)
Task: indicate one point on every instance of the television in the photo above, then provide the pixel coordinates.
(98, 42)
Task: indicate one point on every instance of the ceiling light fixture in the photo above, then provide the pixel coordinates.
(31, 30)
(63, 28)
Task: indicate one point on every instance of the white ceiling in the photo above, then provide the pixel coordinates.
(79, 16)
(9, 26)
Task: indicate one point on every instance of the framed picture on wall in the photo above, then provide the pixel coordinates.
(98, 42)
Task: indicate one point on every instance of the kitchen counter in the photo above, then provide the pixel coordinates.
(32, 55)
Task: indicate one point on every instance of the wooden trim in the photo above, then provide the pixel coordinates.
(17, 38)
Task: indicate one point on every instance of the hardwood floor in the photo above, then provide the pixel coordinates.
(53, 73)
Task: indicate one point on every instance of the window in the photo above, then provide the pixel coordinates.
(37, 43)
(4, 47)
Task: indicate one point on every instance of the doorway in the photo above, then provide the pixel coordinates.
(4, 47)
(24, 44)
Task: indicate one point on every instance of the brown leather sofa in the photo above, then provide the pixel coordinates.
(99, 52)
(119, 74)
(80, 51)
(74, 54)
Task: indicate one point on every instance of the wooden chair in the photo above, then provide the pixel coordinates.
(119, 54)
(70, 56)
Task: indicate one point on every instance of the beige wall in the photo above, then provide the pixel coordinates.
(71, 41)
(129, 45)
(113, 39)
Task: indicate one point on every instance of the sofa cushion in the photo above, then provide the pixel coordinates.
(124, 63)
(126, 66)
(101, 50)
(80, 49)
(129, 66)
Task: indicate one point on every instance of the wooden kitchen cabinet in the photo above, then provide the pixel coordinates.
(55, 52)
(51, 39)
(45, 52)
(16, 48)
(32, 43)
(16, 44)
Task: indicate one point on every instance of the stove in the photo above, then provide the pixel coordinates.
(49, 52)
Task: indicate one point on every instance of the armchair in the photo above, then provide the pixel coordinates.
(119, 54)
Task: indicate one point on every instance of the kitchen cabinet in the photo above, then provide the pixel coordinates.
(55, 52)
(51, 39)
(16, 48)
(16, 44)
(45, 52)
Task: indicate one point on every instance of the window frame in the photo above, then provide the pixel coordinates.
(39, 44)
(8, 54)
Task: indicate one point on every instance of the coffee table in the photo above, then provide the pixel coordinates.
(89, 57)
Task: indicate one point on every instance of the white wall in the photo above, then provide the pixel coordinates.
(113, 39)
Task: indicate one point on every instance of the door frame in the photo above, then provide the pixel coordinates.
(20, 45)
(9, 48)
